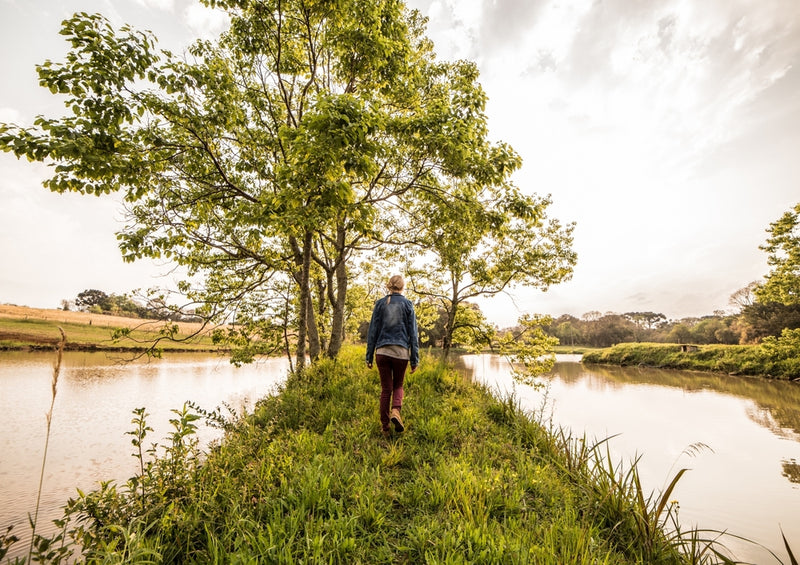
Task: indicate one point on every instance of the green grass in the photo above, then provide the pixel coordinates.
(731, 359)
(308, 478)
(37, 333)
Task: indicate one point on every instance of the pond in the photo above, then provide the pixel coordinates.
(740, 438)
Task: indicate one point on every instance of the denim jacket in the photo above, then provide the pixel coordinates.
(393, 323)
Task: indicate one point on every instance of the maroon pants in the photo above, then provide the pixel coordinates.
(392, 372)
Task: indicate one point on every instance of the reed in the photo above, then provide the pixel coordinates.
(49, 417)
(788, 549)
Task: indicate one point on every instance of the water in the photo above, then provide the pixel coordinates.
(740, 438)
(93, 410)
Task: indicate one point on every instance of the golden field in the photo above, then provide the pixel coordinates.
(23, 327)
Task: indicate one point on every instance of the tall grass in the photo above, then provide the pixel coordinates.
(49, 418)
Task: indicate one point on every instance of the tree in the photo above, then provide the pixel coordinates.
(644, 322)
(744, 297)
(680, 333)
(567, 329)
(484, 238)
(710, 329)
(274, 156)
(92, 297)
(760, 320)
(609, 329)
(783, 256)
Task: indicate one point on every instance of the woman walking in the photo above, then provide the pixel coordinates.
(393, 340)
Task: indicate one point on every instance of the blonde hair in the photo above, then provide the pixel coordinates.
(395, 284)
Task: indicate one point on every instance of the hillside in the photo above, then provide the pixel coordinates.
(22, 327)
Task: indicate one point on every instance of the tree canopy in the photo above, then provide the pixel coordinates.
(480, 240)
(783, 256)
(272, 161)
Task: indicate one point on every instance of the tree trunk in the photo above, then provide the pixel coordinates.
(337, 323)
(447, 340)
(337, 330)
(449, 328)
(305, 297)
(312, 330)
(286, 342)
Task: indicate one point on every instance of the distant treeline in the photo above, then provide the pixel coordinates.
(98, 302)
(750, 325)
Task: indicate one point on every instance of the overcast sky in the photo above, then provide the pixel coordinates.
(668, 131)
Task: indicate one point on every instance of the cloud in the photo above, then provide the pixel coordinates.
(163, 5)
(684, 69)
(452, 25)
(618, 109)
(207, 23)
(505, 22)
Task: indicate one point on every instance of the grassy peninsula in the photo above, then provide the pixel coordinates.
(308, 478)
(753, 360)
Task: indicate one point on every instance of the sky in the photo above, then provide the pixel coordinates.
(668, 131)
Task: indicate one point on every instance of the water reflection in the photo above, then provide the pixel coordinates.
(746, 481)
(777, 403)
(791, 470)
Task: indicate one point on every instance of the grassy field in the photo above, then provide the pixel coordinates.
(34, 328)
(308, 478)
(750, 360)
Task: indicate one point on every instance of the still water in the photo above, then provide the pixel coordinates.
(740, 438)
(93, 410)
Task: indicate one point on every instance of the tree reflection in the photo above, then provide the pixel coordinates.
(791, 470)
(777, 402)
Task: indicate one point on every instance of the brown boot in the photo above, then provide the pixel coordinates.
(397, 420)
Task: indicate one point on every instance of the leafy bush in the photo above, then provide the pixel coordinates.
(783, 353)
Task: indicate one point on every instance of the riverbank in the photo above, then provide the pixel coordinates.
(749, 360)
(309, 478)
(32, 329)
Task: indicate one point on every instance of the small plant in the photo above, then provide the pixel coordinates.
(215, 419)
(7, 539)
(139, 434)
